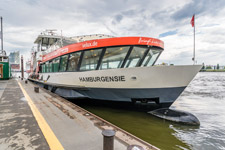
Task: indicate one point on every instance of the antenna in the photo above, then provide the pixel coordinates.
(61, 39)
(51, 31)
(1, 51)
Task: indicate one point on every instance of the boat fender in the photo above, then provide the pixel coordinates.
(176, 116)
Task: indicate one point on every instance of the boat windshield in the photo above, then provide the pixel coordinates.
(114, 57)
(135, 57)
(151, 57)
(90, 59)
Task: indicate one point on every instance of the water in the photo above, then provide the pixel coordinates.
(204, 97)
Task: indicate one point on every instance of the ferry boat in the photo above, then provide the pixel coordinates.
(103, 67)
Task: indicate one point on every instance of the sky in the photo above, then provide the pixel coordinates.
(167, 20)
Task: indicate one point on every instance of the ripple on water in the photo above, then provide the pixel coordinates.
(205, 98)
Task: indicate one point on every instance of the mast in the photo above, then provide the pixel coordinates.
(194, 42)
(1, 51)
(22, 71)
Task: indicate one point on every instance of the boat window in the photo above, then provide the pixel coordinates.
(55, 65)
(46, 67)
(73, 61)
(5, 59)
(40, 68)
(135, 56)
(114, 57)
(43, 68)
(151, 57)
(63, 63)
(50, 66)
(90, 59)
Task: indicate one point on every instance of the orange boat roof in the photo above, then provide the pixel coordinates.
(99, 43)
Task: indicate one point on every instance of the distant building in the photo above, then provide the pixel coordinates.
(213, 68)
(15, 67)
(14, 57)
(222, 67)
(14, 61)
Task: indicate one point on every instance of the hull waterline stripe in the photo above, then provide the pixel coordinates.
(49, 135)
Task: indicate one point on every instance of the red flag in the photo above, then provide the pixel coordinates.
(193, 21)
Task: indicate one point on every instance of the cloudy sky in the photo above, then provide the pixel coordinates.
(168, 20)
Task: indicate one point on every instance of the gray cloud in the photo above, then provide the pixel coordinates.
(130, 12)
(117, 19)
(110, 30)
(199, 7)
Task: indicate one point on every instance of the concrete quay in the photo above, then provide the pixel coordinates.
(30, 120)
(18, 127)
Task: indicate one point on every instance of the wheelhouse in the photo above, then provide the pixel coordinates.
(103, 58)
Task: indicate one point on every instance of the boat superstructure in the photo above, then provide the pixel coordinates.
(108, 68)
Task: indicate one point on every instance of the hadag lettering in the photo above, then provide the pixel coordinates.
(103, 79)
(144, 41)
(55, 53)
(94, 43)
(152, 41)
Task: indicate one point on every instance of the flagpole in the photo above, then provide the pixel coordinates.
(194, 41)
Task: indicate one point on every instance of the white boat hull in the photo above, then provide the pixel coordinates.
(162, 84)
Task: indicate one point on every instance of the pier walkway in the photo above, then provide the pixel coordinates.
(30, 120)
(18, 127)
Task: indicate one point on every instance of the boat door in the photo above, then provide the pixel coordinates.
(1, 70)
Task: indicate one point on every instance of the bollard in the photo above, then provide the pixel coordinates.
(36, 89)
(108, 139)
(135, 147)
(25, 81)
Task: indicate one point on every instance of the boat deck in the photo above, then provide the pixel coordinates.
(30, 120)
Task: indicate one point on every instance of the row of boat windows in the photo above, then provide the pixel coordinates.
(104, 58)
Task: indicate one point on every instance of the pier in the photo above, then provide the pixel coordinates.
(34, 118)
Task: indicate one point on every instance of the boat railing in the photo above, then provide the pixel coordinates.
(64, 41)
(91, 37)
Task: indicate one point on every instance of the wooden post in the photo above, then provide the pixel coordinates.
(108, 139)
(22, 71)
(36, 89)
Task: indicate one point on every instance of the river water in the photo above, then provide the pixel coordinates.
(204, 97)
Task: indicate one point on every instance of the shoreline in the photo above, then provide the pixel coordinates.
(212, 70)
